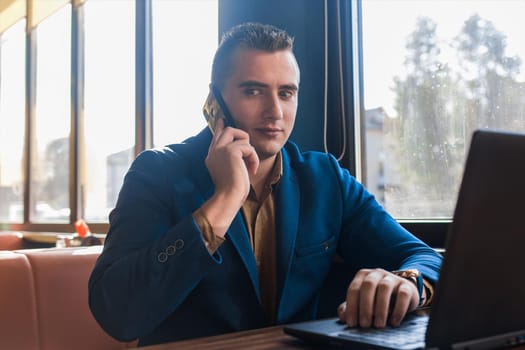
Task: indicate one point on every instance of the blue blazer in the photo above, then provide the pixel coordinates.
(156, 281)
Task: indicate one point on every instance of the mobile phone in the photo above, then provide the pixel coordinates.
(215, 108)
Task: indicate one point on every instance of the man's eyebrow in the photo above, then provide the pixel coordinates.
(290, 87)
(254, 83)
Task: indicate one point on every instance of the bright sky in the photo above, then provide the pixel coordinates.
(388, 23)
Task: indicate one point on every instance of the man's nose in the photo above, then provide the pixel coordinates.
(273, 108)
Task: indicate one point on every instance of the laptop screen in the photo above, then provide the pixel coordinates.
(481, 288)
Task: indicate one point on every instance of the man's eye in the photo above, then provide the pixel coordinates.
(251, 92)
(286, 94)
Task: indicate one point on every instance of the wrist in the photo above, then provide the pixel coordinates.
(219, 212)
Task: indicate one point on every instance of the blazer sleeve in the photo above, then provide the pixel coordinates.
(154, 254)
(370, 237)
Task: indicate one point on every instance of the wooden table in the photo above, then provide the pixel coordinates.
(258, 339)
(272, 338)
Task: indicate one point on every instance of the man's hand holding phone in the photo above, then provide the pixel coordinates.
(231, 161)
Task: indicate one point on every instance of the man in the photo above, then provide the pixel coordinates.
(236, 229)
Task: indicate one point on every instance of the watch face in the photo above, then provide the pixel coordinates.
(410, 273)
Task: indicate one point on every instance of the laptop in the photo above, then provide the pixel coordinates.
(479, 301)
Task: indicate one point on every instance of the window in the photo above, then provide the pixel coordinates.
(434, 71)
(50, 138)
(185, 37)
(108, 138)
(83, 111)
(12, 121)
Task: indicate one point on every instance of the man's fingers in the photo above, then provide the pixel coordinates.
(226, 135)
(404, 302)
(351, 311)
(383, 300)
(370, 296)
(341, 310)
(367, 297)
(250, 158)
(219, 127)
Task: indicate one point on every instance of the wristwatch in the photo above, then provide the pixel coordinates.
(415, 276)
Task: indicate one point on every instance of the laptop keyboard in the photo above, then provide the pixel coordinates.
(409, 335)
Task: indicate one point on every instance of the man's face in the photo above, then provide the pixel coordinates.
(261, 94)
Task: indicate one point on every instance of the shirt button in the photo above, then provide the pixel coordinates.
(162, 257)
(179, 244)
(170, 250)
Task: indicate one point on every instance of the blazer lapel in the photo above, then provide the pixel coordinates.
(287, 218)
(238, 235)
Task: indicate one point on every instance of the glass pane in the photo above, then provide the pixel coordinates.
(109, 115)
(434, 71)
(12, 117)
(185, 37)
(50, 140)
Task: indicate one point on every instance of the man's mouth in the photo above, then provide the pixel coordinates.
(270, 132)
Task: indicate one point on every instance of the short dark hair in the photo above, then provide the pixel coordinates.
(248, 35)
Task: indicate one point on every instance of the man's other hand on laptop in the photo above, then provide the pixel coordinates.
(377, 297)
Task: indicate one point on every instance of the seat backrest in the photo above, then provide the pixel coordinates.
(18, 316)
(11, 240)
(61, 287)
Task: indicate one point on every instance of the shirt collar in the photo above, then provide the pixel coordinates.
(277, 170)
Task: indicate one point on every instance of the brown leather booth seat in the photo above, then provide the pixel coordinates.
(43, 301)
(11, 240)
(18, 320)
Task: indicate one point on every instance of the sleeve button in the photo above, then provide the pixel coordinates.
(170, 250)
(179, 244)
(162, 257)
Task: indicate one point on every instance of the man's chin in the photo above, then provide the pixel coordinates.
(267, 152)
